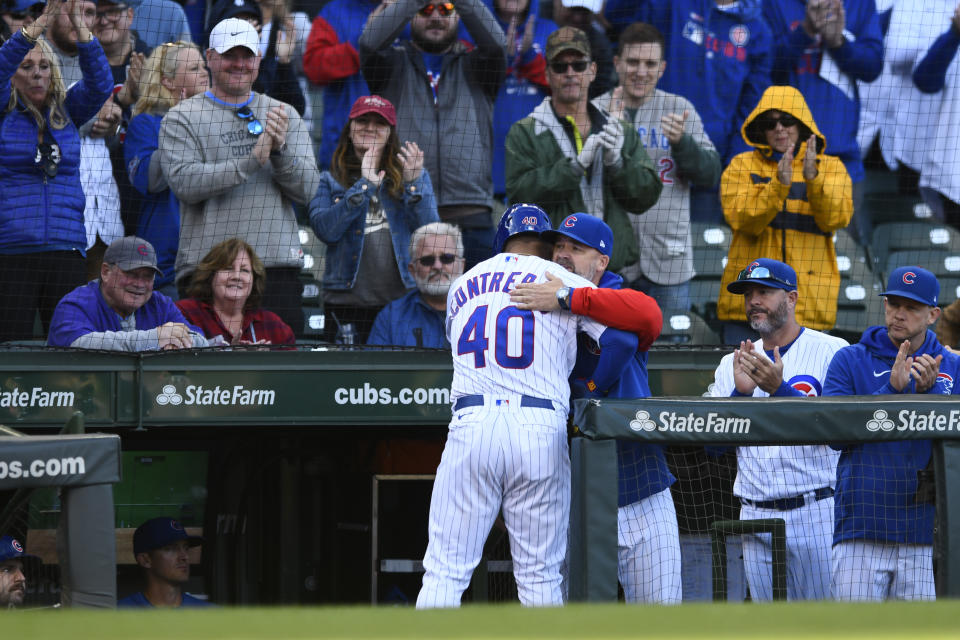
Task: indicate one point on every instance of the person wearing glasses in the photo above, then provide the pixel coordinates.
(795, 483)
(784, 200)
(174, 72)
(570, 156)
(374, 196)
(42, 234)
(418, 318)
(434, 73)
(238, 160)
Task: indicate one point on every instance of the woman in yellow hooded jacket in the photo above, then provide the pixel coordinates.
(783, 201)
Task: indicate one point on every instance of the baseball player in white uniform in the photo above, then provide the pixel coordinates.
(795, 483)
(507, 441)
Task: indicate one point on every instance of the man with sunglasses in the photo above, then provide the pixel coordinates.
(570, 156)
(237, 160)
(444, 93)
(783, 201)
(884, 521)
(418, 318)
(795, 483)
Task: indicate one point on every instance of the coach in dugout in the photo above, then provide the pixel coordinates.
(795, 483)
(883, 528)
(13, 583)
(120, 311)
(648, 537)
(161, 547)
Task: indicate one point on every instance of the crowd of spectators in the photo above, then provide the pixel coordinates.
(193, 123)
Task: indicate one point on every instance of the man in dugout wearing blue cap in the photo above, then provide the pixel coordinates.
(883, 525)
(648, 537)
(13, 582)
(161, 547)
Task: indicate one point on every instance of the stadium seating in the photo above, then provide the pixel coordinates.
(710, 245)
(911, 236)
(686, 328)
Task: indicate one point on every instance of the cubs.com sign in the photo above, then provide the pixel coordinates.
(196, 394)
(910, 420)
(675, 422)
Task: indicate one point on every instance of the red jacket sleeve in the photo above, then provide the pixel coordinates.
(326, 58)
(624, 309)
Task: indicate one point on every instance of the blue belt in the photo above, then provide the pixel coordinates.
(525, 401)
(789, 504)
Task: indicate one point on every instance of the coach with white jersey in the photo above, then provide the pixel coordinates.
(507, 442)
(795, 483)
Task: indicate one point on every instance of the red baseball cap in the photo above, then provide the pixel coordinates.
(374, 104)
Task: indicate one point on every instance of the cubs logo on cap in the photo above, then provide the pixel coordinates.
(11, 549)
(766, 272)
(915, 283)
(585, 229)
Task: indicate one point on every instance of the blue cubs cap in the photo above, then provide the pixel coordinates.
(585, 229)
(11, 549)
(915, 283)
(159, 532)
(766, 272)
(22, 6)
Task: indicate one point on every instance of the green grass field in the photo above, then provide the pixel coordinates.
(775, 621)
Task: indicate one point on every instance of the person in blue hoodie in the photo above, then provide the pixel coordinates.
(526, 83)
(648, 538)
(883, 517)
(823, 47)
(723, 55)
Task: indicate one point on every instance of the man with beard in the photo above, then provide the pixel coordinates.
(795, 483)
(161, 547)
(13, 584)
(417, 319)
(444, 93)
(648, 540)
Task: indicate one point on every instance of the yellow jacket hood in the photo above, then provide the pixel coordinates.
(787, 100)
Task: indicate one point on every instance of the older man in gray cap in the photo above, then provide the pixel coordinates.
(120, 311)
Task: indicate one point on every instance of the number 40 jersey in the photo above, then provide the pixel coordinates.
(500, 349)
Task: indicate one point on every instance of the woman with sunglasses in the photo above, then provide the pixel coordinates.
(783, 201)
(374, 196)
(174, 71)
(42, 234)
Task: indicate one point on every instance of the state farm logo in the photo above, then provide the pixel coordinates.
(197, 394)
(643, 422)
(169, 395)
(880, 422)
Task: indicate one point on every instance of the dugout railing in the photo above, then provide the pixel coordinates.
(730, 421)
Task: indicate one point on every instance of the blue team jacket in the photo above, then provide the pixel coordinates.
(158, 220)
(876, 482)
(797, 62)
(641, 468)
(719, 58)
(40, 213)
(410, 322)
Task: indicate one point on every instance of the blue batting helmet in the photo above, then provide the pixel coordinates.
(520, 218)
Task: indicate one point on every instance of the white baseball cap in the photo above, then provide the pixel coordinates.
(234, 32)
(593, 5)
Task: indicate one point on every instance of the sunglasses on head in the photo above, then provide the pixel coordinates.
(761, 273)
(561, 67)
(47, 158)
(769, 123)
(445, 258)
(254, 127)
(445, 9)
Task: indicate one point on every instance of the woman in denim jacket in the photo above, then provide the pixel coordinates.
(365, 209)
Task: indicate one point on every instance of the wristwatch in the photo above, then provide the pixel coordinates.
(563, 297)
